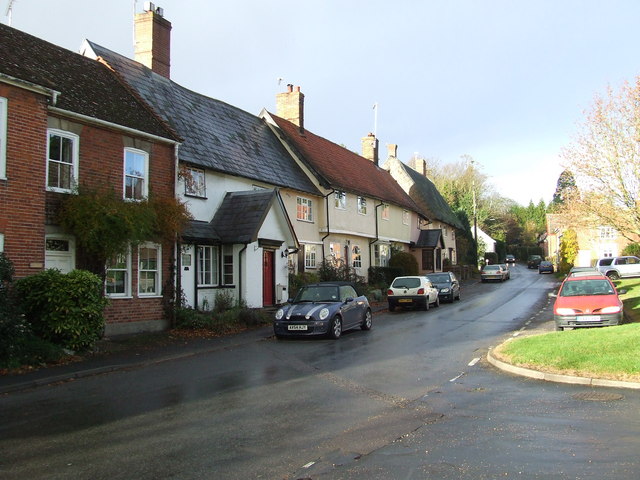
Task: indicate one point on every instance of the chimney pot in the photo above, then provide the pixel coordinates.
(370, 148)
(153, 39)
(290, 106)
(392, 150)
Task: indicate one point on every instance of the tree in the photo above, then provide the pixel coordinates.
(605, 160)
(568, 250)
(565, 189)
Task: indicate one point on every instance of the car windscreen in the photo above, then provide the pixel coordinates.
(494, 268)
(407, 282)
(318, 293)
(579, 288)
(439, 278)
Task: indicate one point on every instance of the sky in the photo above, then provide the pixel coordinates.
(506, 82)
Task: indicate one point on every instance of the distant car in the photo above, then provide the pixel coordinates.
(587, 301)
(505, 267)
(583, 271)
(619, 267)
(492, 272)
(545, 266)
(510, 259)
(533, 261)
(325, 308)
(447, 284)
(412, 291)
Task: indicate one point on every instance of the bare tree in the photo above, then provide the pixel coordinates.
(604, 158)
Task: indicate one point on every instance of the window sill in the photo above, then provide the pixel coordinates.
(193, 195)
(149, 295)
(119, 297)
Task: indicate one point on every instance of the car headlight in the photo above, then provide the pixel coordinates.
(279, 314)
(445, 290)
(610, 310)
(565, 311)
(324, 313)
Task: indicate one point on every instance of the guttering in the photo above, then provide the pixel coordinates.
(240, 272)
(32, 87)
(326, 199)
(371, 242)
(105, 123)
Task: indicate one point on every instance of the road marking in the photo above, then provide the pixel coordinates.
(308, 464)
(455, 378)
(474, 361)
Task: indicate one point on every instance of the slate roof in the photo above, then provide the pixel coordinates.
(86, 86)
(342, 169)
(251, 206)
(427, 196)
(430, 238)
(217, 136)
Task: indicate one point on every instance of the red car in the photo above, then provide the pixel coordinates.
(587, 301)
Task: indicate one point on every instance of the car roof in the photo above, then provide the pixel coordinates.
(336, 283)
(590, 276)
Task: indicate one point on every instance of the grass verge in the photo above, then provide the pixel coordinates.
(606, 352)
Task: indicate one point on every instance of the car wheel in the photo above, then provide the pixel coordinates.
(437, 302)
(392, 307)
(335, 328)
(613, 275)
(367, 321)
(425, 305)
(458, 297)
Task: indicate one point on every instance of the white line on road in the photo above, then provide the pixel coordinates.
(474, 361)
(455, 378)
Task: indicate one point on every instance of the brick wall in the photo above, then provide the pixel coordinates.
(22, 199)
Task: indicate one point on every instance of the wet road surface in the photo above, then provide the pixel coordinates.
(413, 398)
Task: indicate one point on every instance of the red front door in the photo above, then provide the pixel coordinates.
(268, 278)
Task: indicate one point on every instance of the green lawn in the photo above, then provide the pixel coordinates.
(606, 352)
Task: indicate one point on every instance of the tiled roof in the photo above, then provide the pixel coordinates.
(216, 135)
(86, 87)
(251, 206)
(427, 196)
(430, 238)
(342, 169)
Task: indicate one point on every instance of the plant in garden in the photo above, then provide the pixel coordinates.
(67, 309)
(569, 248)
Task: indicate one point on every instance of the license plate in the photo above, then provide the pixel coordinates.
(589, 318)
(405, 300)
(297, 327)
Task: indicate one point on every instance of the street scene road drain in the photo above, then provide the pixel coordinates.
(597, 396)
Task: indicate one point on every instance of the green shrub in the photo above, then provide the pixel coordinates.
(66, 309)
(632, 249)
(383, 276)
(406, 262)
(224, 301)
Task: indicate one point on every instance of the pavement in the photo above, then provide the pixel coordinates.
(174, 347)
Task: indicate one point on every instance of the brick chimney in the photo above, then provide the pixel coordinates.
(370, 148)
(392, 150)
(153, 39)
(290, 106)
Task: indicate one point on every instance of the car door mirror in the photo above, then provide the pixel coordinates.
(348, 300)
(553, 295)
(622, 291)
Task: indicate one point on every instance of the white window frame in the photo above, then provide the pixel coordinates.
(384, 213)
(335, 250)
(127, 278)
(3, 137)
(144, 177)
(362, 205)
(154, 271)
(207, 277)
(405, 217)
(607, 233)
(310, 256)
(68, 254)
(1, 242)
(304, 209)
(195, 182)
(340, 200)
(227, 265)
(75, 154)
(382, 253)
(356, 256)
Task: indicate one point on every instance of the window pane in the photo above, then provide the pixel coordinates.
(116, 282)
(134, 164)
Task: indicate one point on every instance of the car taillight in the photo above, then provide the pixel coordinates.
(421, 291)
(389, 292)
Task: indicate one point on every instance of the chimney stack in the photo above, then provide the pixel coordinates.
(392, 150)
(290, 106)
(153, 39)
(370, 148)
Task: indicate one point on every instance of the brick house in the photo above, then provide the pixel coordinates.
(67, 121)
(235, 177)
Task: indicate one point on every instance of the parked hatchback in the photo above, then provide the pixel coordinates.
(493, 272)
(545, 267)
(412, 291)
(447, 284)
(533, 261)
(587, 301)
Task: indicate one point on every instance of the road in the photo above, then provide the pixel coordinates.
(413, 398)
